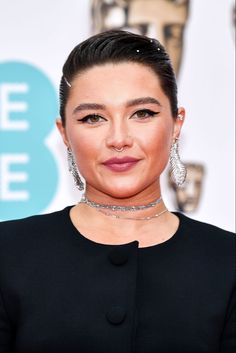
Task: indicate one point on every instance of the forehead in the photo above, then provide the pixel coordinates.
(116, 81)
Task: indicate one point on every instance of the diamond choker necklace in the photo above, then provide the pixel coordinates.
(101, 206)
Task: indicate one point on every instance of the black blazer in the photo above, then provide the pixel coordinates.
(61, 292)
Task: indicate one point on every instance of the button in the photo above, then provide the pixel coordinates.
(118, 255)
(116, 315)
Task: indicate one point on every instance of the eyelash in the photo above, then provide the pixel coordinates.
(87, 117)
(150, 113)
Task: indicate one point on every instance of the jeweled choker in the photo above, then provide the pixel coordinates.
(97, 205)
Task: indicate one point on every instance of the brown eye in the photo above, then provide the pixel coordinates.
(92, 119)
(144, 113)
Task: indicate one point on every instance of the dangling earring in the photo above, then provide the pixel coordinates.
(73, 169)
(178, 169)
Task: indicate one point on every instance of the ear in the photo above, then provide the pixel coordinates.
(179, 120)
(62, 131)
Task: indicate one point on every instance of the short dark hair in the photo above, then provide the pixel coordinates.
(118, 46)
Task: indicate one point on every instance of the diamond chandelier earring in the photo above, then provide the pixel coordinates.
(178, 169)
(73, 170)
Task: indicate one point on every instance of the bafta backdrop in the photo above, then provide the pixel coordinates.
(35, 40)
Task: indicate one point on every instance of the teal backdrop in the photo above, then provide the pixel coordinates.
(28, 170)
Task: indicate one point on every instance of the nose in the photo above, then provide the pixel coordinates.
(118, 136)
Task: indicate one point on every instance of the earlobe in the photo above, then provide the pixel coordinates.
(62, 131)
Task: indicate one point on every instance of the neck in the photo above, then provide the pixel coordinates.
(107, 230)
(147, 212)
(118, 230)
(144, 197)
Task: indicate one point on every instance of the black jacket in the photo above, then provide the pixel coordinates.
(61, 292)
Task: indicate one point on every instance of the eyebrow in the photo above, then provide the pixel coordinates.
(130, 103)
(143, 100)
(88, 106)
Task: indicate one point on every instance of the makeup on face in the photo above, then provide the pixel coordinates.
(120, 128)
(121, 164)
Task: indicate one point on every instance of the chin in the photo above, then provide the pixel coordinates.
(122, 191)
(121, 194)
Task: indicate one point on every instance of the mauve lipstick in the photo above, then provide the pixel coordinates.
(121, 164)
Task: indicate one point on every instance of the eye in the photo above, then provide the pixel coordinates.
(144, 114)
(92, 119)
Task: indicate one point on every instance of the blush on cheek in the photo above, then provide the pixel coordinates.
(85, 156)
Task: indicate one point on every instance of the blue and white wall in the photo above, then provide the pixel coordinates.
(35, 39)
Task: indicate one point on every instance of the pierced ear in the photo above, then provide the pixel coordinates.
(62, 130)
(180, 116)
(179, 122)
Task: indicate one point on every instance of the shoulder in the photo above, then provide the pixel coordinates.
(210, 248)
(204, 228)
(206, 235)
(14, 231)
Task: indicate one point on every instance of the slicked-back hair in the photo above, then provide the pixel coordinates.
(117, 46)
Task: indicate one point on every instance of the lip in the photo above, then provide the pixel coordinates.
(121, 164)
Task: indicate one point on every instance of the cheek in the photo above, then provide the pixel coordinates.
(84, 147)
(159, 142)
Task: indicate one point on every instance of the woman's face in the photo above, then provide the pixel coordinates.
(119, 107)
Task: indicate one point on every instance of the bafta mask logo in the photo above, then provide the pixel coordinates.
(162, 19)
(188, 195)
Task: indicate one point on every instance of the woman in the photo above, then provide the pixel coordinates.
(118, 272)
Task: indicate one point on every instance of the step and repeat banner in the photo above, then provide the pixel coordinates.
(35, 39)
